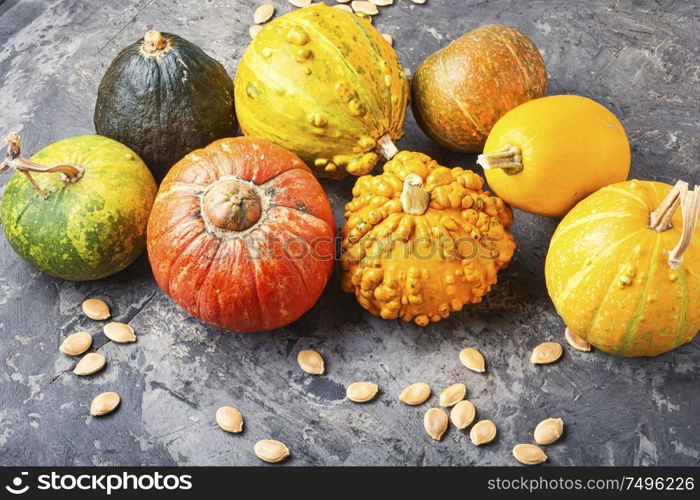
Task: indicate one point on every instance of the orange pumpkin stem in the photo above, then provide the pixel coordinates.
(154, 43)
(414, 199)
(509, 159)
(69, 173)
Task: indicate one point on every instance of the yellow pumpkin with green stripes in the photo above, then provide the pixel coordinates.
(78, 208)
(623, 268)
(324, 84)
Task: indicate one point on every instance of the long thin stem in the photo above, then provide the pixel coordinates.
(690, 208)
(69, 173)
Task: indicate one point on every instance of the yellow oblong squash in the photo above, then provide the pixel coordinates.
(324, 84)
(547, 154)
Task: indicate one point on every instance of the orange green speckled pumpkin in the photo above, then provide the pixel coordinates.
(459, 92)
(86, 217)
(617, 274)
(421, 240)
(325, 85)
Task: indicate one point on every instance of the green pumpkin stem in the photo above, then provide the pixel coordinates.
(69, 173)
(414, 199)
(509, 159)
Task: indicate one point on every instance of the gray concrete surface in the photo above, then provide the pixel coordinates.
(640, 58)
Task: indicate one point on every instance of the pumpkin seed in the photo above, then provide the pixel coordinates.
(472, 359)
(254, 30)
(96, 309)
(388, 39)
(104, 403)
(453, 394)
(365, 7)
(263, 13)
(435, 423)
(119, 332)
(462, 414)
(229, 419)
(419, 2)
(549, 430)
(311, 362)
(575, 341)
(484, 431)
(415, 394)
(382, 3)
(361, 392)
(90, 363)
(271, 451)
(546, 352)
(529, 454)
(76, 343)
(343, 1)
(344, 8)
(300, 3)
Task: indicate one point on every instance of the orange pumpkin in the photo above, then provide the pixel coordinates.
(241, 235)
(421, 240)
(459, 92)
(623, 268)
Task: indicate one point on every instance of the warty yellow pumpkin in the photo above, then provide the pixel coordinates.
(421, 240)
(325, 85)
(623, 268)
(547, 154)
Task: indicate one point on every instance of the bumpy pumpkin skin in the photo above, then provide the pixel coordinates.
(418, 276)
(249, 272)
(570, 146)
(87, 230)
(166, 104)
(459, 92)
(608, 275)
(325, 85)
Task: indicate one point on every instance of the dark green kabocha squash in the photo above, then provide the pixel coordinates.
(164, 97)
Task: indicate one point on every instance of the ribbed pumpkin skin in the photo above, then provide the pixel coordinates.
(459, 92)
(422, 267)
(242, 281)
(608, 275)
(87, 230)
(325, 85)
(165, 106)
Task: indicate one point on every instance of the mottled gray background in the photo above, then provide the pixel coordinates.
(641, 59)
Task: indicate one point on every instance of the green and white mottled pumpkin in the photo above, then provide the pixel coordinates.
(324, 84)
(87, 229)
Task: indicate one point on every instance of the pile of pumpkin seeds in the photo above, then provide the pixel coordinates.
(364, 8)
(78, 343)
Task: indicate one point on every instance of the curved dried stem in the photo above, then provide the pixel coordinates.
(690, 208)
(69, 173)
(660, 219)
